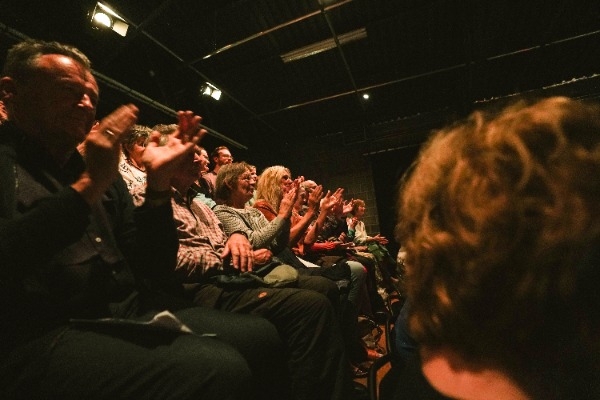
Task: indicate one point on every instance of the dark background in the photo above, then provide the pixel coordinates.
(424, 63)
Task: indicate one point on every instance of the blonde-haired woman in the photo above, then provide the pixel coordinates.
(273, 183)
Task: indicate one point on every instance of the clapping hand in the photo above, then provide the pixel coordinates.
(380, 239)
(314, 198)
(287, 202)
(102, 151)
(161, 162)
(347, 206)
(352, 222)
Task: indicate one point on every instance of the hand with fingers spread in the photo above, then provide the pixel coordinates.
(314, 198)
(382, 240)
(161, 162)
(328, 203)
(298, 181)
(347, 206)
(102, 150)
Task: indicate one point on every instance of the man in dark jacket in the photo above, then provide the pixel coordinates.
(79, 264)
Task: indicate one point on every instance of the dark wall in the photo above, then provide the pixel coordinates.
(387, 170)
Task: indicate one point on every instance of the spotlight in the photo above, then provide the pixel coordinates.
(211, 90)
(366, 96)
(104, 17)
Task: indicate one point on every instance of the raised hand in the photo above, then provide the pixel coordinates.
(314, 198)
(162, 162)
(102, 151)
(347, 206)
(328, 203)
(287, 202)
(352, 222)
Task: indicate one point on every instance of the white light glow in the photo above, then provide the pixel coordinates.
(103, 19)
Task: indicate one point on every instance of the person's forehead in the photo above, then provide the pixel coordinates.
(224, 152)
(61, 67)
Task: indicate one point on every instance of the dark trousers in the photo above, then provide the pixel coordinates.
(308, 326)
(124, 363)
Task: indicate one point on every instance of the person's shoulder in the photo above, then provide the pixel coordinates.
(224, 209)
(263, 205)
(9, 135)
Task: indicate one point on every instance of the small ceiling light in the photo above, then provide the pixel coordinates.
(366, 96)
(208, 89)
(104, 17)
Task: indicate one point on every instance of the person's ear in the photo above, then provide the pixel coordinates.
(8, 88)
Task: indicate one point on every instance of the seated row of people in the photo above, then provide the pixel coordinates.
(84, 271)
(105, 298)
(274, 183)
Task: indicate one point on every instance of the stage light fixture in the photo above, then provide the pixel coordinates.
(104, 17)
(208, 89)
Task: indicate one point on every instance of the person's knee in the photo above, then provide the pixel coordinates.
(357, 271)
(319, 284)
(215, 370)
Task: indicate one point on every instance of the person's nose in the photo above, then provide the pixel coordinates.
(87, 102)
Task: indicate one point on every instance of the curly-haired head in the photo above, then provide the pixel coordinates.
(139, 134)
(496, 217)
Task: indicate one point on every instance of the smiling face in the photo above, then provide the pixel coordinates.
(56, 103)
(245, 185)
(201, 158)
(286, 181)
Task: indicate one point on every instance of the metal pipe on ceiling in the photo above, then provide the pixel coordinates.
(268, 31)
(428, 73)
(18, 36)
(161, 107)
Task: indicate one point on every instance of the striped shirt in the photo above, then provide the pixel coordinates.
(201, 238)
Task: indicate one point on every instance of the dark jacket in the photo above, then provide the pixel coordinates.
(61, 258)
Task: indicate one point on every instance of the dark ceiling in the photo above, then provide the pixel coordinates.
(418, 57)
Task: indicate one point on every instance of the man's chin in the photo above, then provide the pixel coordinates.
(79, 133)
